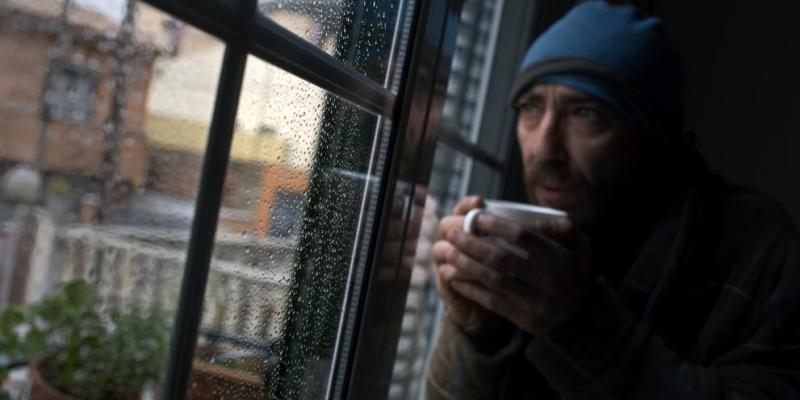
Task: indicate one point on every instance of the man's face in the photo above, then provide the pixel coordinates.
(579, 155)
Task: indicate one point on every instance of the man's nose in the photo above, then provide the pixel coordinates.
(550, 137)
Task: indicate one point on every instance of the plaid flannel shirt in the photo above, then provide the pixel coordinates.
(709, 309)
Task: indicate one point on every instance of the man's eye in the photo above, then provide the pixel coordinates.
(588, 113)
(589, 119)
(527, 109)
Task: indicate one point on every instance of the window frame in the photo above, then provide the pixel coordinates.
(415, 112)
(376, 316)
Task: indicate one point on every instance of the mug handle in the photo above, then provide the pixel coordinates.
(469, 227)
(470, 218)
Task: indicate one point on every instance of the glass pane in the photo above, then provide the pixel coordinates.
(448, 176)
(447, 186)
(287, 229)
(105, 114)
(452, 177)
(359, 33)
(470, 69)
(485, 180)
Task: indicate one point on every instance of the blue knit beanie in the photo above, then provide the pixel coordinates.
(616, 55)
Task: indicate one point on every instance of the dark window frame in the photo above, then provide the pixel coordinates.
(415, 112)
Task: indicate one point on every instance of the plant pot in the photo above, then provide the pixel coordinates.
(40, 388)
(210, 381)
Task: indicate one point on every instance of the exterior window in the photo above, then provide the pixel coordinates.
(196, 190)
(71, 95)
(114, 170)
(460, 167)
(332, 26)
(285, 223)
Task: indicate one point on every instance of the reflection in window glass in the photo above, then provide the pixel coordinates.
(449, 182)
(292, 198)
(470, 68)
(105, 114)
(447, 186)
(450, 169)
(358, 33)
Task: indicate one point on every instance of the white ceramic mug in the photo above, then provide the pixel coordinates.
(521, 213)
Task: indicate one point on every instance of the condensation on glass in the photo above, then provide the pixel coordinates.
(106, 107)
(287, 228)
(359, 33)
(105, 110)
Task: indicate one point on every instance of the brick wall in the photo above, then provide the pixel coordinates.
(71, 147)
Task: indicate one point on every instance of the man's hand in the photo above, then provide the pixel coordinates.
(475, 320)
(536, 294)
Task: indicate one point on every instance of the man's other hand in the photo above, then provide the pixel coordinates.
(480, 324)
(538, 293)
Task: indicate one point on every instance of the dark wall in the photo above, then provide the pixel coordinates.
(742, 63)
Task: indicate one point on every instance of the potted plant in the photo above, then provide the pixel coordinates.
(77, 352)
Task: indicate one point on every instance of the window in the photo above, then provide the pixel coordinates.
(224, 174)
(71, 95)
(285, 223)
(448, 184)
(334, 26)
(472, 155)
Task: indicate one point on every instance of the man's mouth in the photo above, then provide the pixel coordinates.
(554, 195)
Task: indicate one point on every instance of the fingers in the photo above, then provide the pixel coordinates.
(449, 223)
(456, 265)
(468, 203)
(470, 245)
(490, 225)
(486, 298)
(488, 255)
(439, 251)
(476, 260)
(444, 273)
(456, 221)
(457, 307)
(468, 269)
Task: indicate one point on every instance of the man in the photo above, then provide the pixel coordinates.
(664, 283)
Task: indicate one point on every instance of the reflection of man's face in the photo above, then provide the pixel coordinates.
(577, 152)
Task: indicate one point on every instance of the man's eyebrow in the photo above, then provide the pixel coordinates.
(531, 97)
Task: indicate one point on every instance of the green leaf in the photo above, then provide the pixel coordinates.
(35, 344)
(85, 356)
(79, 294)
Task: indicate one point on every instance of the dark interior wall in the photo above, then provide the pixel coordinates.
(742, 63)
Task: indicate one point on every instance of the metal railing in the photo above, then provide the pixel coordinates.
(139, 270)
